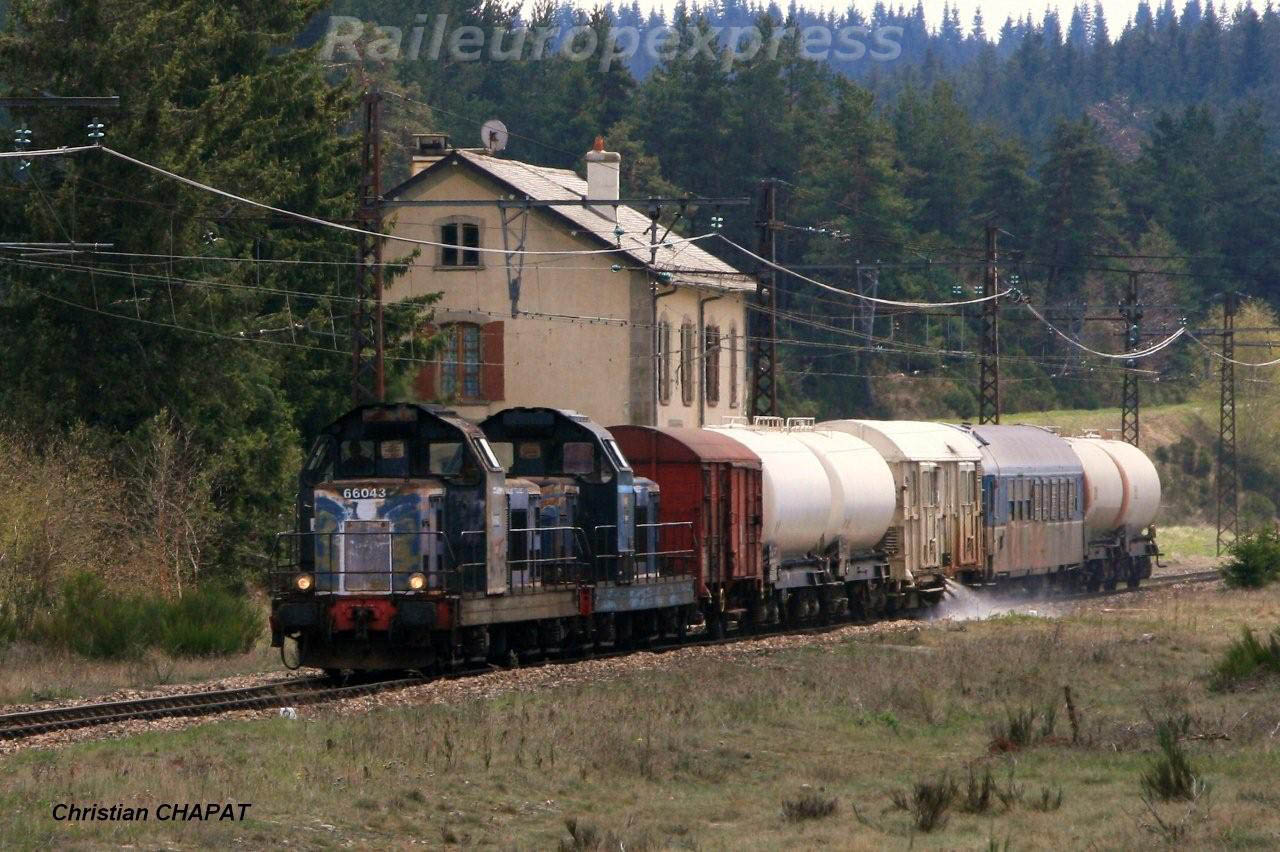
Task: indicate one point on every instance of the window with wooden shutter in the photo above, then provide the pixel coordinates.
(424, 384)
(733, 366)
(711, 364)
(664, 362)
(493, 370)
(687, 332)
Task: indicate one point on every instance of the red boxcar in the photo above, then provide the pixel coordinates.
(713, 481)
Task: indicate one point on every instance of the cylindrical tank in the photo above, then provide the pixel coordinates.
(862, 492)
(1104, 496)
(1141, 485)
(797, 493)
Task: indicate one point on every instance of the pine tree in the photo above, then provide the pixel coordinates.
(206, 92)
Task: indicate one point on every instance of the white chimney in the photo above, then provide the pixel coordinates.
(603, 169)
(428, 149)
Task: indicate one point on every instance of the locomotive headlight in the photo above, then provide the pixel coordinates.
(418, 581)
(303, 582)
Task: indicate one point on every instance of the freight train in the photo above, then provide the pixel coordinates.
(424, 541)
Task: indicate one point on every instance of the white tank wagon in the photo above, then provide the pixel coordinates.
(1122, 498)
(936, 526)
(1103, 487)
(797, 502)
(1141, 486)
(862, 489)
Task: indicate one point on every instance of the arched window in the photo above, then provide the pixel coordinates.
(687, 334)
(664, 362)
(469, 366)
(711, 364)
(461, 240)
(733, 366)
(460, 362)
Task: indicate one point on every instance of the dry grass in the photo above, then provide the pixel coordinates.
(32, 673)
(700, 754)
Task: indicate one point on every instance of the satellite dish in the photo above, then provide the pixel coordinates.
(493, 135)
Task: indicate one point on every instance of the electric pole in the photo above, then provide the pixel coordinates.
(368, 380)
(989, 365)
(1133, 334)
(1228, 476)
(764, 346)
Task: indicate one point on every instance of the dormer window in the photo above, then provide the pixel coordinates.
(461, 243)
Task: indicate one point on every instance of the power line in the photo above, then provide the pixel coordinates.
(303, 217)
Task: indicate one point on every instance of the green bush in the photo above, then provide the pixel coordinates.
(208, 623)
(8, 625)
(1246, 657)
(1170, 775)
(1255, 560)
(95, 621)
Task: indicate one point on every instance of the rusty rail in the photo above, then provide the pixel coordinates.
(29, 723)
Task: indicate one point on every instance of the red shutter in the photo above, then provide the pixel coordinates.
(424, 384)
(493, 371)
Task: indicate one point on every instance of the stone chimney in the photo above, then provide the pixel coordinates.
(428, 149)
(603, 169)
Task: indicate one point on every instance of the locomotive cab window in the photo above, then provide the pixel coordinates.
(392, 460)
(357, 459)
(319, 466)
(579, 457)
(615, 453)
(445, 458)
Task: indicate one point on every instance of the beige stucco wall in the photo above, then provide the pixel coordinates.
(602, 367)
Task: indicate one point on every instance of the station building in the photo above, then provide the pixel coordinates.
(627, 334)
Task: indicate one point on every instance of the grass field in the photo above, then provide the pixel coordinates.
(30, 673)
(1161, 424)
(711, 753)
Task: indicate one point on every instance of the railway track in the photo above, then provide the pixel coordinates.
(28, 723)
(302, 691)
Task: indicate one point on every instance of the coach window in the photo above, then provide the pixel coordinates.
(664, 362)
(711, 364)
(460, 244)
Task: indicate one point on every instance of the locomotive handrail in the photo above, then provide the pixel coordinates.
(438, 579)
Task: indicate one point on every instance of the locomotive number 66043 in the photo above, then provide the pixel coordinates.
(361, 493)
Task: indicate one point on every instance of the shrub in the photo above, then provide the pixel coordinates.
(95, 621)
(1246, 657)
(8, 626)
(808, 806)
(209, 622)
(977, 799)
(928, 802)
(1023, 728)
(1170, 775)
(1255, 560)
(1048, 801)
